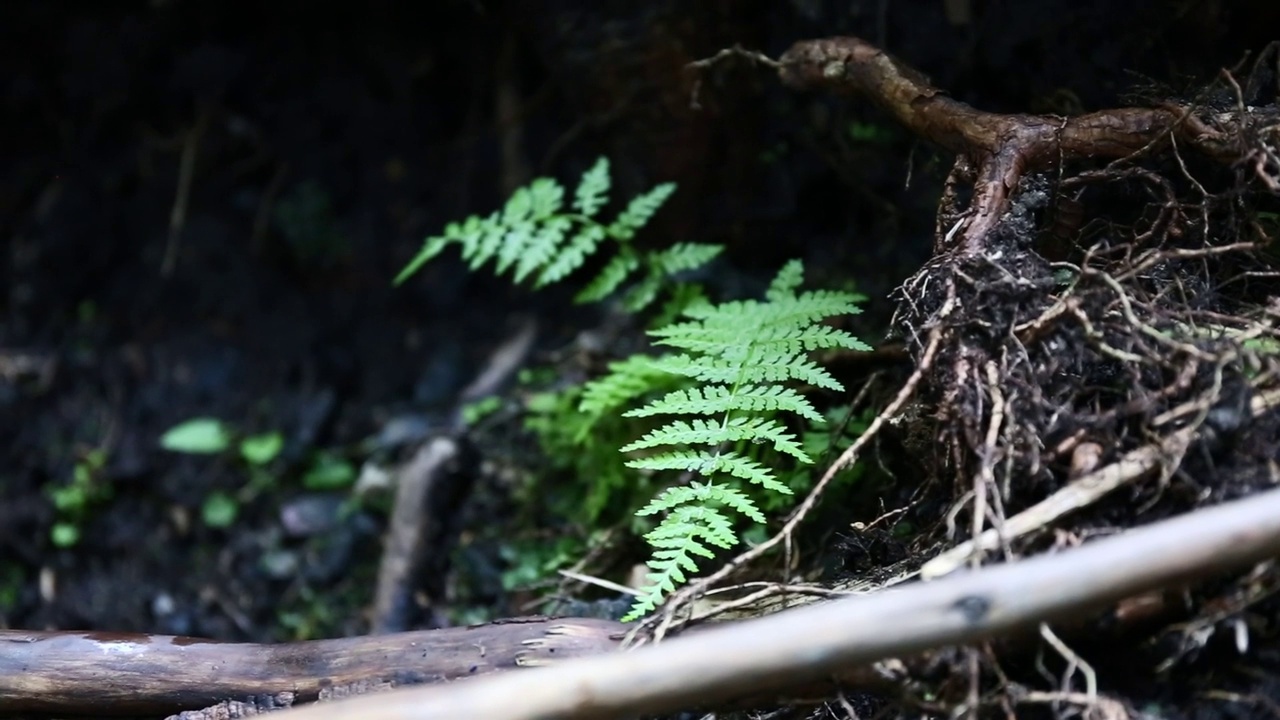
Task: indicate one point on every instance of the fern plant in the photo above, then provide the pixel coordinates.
(534, 236)
(734, 367)
(740, 356)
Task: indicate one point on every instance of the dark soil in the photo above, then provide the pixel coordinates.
(326, 144)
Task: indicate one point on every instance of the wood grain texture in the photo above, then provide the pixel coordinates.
(128, 673)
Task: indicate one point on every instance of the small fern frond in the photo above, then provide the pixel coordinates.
(701, 523)
(709, 432)
(639, 211)
(786, 282)
(682, 257)
(481, 241)
(702, 494)
(593, 190)
(543, 247)
(705, 462)
(715, 399)
(572, 255)
(662, 265)
(626, 380)
(611, 276)
(533, 235)
(431, 248)
(771, 369)
(685, 532)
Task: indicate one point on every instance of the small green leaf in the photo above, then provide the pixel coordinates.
(69, 498)
(219, 510)
(200, 436)
(329, 472)
(474, 412)
(261, 449)
(64, 535)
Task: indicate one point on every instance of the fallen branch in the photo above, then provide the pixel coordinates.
(814, 643)
(131, 673)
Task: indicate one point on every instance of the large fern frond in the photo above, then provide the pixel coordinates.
(743, 355)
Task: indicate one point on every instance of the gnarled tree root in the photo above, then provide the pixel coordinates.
(996, 150)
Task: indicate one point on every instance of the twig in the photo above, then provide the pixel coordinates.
(186, 172)
(424, 487)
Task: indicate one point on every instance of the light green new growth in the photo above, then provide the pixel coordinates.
(740, 353)
(535, 236)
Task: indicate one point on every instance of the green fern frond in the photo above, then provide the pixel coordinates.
(715, 399)
(593, 190)
(682, 257)
(534, 236)
(743, 354)
(626, 380)
(541, 249)
(684, 532)
(710, 432)
(706, 462)
(786, 282)
(662, 266)
(639, 211)
(772, 369)
(572, 255)
(701, 522)
(695, 494)
(610, 278)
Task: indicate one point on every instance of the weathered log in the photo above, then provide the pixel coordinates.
(134, 673)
